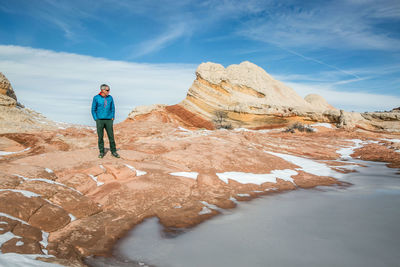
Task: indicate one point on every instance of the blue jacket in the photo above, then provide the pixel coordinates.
(103, 107)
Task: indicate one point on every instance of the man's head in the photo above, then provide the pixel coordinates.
(105, 89)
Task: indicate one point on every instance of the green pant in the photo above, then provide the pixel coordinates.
(108, 125)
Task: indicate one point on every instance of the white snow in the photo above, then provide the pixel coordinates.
(12, 218)
(24, 192)
(102, 167)
(73, 218)
(205, 210)
(255, 178)
(4, 153)
(210, 206)
(233, 199)
(345, 152)
(23, 260)
(183, 129)
(19, 243)
(177, 206)
(269, 189)
(45, 237)
(391, 140)
(192, 175)
(48, 181)
(243, 195)
(5, 237)
(320, 124)
(138, 172)
(94, 178)
(308, 165)
(49, 170)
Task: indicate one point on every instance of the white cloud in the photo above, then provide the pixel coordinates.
(61, 85)
(349, 101)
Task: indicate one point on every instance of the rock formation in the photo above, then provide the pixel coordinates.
(249, 97)
(14, 117)
(6, 88)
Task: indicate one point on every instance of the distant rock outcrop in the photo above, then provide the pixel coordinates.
(249, 97)
(14, 117)
(6, 88)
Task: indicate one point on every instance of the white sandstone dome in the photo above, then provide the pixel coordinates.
(318, 102)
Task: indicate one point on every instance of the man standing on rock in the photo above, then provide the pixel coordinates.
(103, 112)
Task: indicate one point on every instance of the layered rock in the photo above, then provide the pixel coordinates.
(6, 88)
(14, 117)
(249, 96)
(246, 96)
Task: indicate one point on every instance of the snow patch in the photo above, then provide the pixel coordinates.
(94, 178)
(320, 124)
(192, 175)
(73, 218)
(391, 140)
(48, 181)
(138, 172)
(184, 129)
(24, 192)
(49, 170)
(254, 178)
(102, 167)
(308, 165)
(5, 237)
(243, 195)
(210, 206)
(205, 210)
(5, 153)
(19, 243)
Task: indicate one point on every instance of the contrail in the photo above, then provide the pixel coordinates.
(319, 62)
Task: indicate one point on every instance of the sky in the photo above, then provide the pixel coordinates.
(56, 53)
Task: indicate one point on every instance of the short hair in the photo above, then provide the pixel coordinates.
(103, 86)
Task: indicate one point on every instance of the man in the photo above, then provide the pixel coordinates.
(103, 112)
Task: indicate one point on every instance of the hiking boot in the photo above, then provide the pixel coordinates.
(101, 155)
(115, 154)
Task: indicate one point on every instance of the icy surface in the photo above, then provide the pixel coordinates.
(49, 170)
(192, 175)
(332, 226)
(255, 178)
(243, 195)
(24, 260)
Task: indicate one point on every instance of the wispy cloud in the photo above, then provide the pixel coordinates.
(336, 25)
(159, 42)
(61, 85)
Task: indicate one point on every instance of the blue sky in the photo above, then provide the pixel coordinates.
(56, 53)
